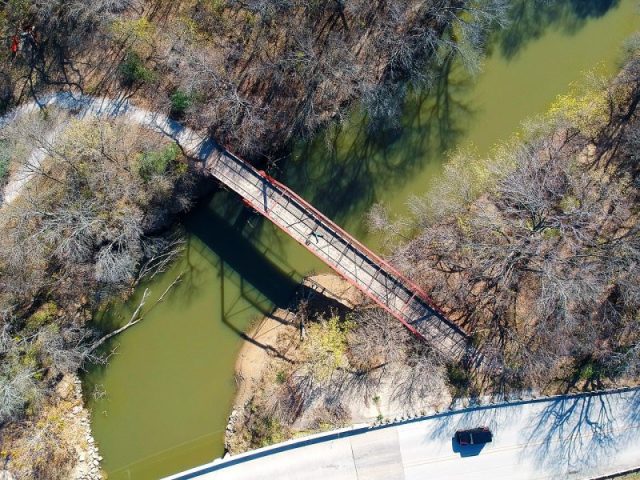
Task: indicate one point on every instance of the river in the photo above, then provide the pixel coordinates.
(162, 401)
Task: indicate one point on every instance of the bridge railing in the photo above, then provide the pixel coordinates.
(381, 266)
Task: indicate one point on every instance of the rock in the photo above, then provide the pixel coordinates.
(76, 410)
(65, 389)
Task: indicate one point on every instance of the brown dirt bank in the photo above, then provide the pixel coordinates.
(273, 403)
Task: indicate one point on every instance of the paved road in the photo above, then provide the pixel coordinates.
(563, 438)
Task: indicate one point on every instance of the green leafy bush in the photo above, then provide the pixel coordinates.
(180, 102)
(4, 162)
(459, 381)
(157, 162)
(134, 71)
(45, 314)
(281, 377)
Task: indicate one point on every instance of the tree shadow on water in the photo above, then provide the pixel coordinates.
(349, 168)
(530, 19)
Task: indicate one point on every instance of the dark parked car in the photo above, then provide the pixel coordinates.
(474, 436)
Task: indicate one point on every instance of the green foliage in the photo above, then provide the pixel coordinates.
(180, 102)
(586, 106)
(267, 431)
(138, 30)
(216, 7)
(569, 204)
(551, 233)
(4, 161)
(326, 346)
(589, 371)
(586, 372)
(45, 314)
(157, 162)
(459, 380)
(17, 11)
(3, 23)
(281, 377)
(465, 177)
(29, 358)
(133, 70)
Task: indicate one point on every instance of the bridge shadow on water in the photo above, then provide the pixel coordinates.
(248, 256)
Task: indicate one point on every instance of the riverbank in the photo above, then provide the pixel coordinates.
(276, 351)
(63, 426)
(261, 342)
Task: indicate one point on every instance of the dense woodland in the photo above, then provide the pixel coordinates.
(255, 73)
(535, 251)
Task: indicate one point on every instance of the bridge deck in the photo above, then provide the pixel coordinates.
(351, 259)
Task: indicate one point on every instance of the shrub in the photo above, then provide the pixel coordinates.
(459, 380)
(45, 314)
(139, 30)
(267, 431)
(180, 102)
(4, 162)
(157, 162)
(134, 71)
(326, 346)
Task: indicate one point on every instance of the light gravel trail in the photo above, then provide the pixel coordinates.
(193, 144)
(570, 437)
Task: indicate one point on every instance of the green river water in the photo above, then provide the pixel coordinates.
(170, 385)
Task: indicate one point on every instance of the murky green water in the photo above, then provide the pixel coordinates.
(170, 384)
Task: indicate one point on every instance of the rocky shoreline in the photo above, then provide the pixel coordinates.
(64, 420)
(88, 455)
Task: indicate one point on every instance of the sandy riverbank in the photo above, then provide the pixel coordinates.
(265, 357)
(262, 342)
